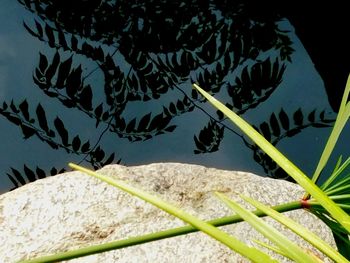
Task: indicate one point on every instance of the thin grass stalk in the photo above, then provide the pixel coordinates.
(300, 230)
(335, 174)
(94, 249)
(336, 212)
(282, 241)
(339, 190)
(341, 120)
(231, 242)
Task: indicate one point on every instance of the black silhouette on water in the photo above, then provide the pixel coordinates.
(144, 51)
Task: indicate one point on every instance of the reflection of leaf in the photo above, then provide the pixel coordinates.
(85, 147)
(74, 82)
(311, 116)
(50, 35)
(43, 63)
(120, 123)
(39, 28)
(99, 154)
(29, 173)
(109, 159)
(131, 126)
(53, 171)
(14, 119)
(42, 117)
(40, 173)
(14, 108)
(105, 116)
(283, 117)
(255, 84)
(86, 49)
(74, 43)
(180, 105)
(144, 122)
(274, 125)
(13, 180)
(298, 117)
(209, 138)
(24, 109)
(27, 131)
(76, 143)
(200, 146)
(18, 176)
(278, 128)
(61, 130)
(156, 121)
(85, 98)
(163, 122)
(63, 72)
(61, 39)
(172, 108)
(39, 32)
(98, 112)
(170, 128)
(50, 72)
(264, 127)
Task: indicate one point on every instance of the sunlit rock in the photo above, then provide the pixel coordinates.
(73, 210)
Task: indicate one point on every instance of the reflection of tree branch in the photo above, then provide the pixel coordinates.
(159, 49)
(200, 108)
(97, 142)
(270, 167)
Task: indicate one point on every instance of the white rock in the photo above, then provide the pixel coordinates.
(74, 210)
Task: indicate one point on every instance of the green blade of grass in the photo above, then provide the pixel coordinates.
(333, 176)
(132, 241)
(277, 250)
(288, 247)
(251, 253)
(298, 229)
(339, 169)
(341, 237)
(342, 242)
(342, 118)
(334, 188)
(282, 161)
(340, 189)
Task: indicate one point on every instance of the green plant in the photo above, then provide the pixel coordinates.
(330, 202)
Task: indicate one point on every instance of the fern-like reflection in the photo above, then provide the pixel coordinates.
(145, 51)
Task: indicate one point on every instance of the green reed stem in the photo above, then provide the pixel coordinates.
(81, 252)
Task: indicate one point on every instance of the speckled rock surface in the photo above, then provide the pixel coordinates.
(73, 210)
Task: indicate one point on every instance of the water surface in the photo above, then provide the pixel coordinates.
(103, 84)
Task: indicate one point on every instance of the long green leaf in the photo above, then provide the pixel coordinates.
(342, 242)
(288, 247)
(277, 250)
(327, 186)
(282, 161)
(298, 229)
(132, 241)
(342, 118)
(333, 176)
(252, 253)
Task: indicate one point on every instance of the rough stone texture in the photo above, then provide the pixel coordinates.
(73, 210)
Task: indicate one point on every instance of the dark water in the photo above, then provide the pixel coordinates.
(109, 82)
